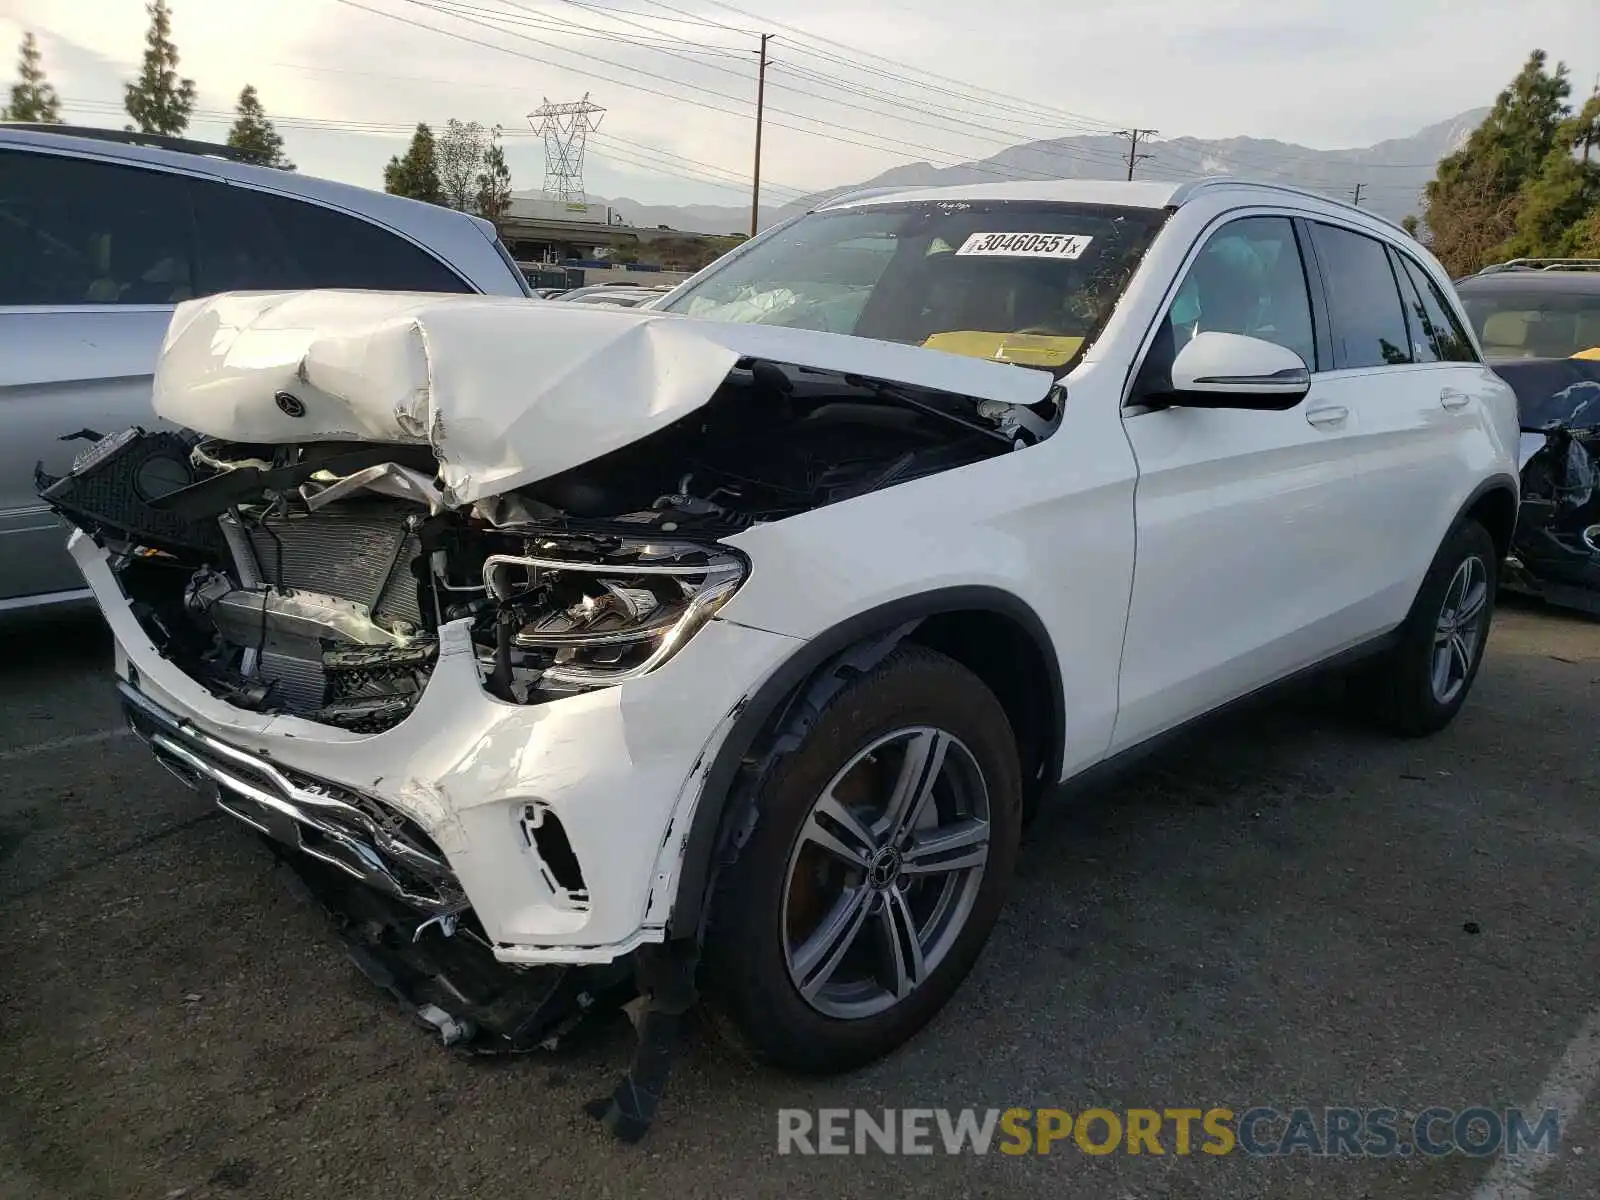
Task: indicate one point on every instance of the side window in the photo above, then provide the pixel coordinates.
(256, 240)
(1248, 279)
(1418, 326)
(74, 231)
(1432, 314)
(1368, 324)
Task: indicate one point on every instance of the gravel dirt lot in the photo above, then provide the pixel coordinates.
(1287, 910)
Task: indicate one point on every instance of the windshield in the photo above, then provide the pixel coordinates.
(1537, 323)
(1021, 282)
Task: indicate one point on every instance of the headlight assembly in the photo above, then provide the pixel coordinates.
(571, 622)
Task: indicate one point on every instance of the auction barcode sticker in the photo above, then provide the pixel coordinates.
(1027, 245)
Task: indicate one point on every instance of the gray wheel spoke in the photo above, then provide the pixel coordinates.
(1441, 669)
(835, 829)
(1456, 635)
(924, 759)
(902, 945)
(956, 847)
(821, 953)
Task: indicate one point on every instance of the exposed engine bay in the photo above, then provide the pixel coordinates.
(312, 580)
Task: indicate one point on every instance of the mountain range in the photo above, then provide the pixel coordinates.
(1389, 174)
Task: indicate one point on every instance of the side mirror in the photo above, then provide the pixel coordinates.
(1229, 370)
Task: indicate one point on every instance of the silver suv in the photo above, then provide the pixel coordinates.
(103, 232)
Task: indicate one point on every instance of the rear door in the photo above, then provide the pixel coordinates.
(93, 257)
(1407, 371)
(1242, 573)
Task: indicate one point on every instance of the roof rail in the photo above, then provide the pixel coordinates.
(1543, 264)
(1187, 191)
(130, 137)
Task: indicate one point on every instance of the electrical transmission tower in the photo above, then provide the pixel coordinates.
(566, 129)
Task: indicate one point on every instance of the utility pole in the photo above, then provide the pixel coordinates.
(1355, 194)
(761, 104)
(1133, 136)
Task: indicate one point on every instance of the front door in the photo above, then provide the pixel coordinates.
(1242, 572)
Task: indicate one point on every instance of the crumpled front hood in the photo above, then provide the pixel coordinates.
(506, 391)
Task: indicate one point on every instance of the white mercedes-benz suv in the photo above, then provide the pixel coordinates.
(566, 651)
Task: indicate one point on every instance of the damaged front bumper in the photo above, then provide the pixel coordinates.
(553, 831)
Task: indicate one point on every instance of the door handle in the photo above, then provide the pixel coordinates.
(1328, 414)
(1452, 399)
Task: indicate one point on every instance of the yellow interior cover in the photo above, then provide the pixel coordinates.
(1592, 354)
(1023, 349)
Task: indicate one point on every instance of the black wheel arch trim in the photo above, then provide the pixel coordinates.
(771, 720)
(1500, 482)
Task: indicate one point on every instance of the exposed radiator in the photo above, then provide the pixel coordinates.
(363, 555)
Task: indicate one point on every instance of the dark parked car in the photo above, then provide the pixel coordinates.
(1539, 323)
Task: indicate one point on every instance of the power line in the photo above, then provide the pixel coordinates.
(1017, 135)
(832, 133)
(684, 17)
(734, 181)
(973, 91)
(453, 7)
(771, 184)
(970, 90)
(816, 76)
(529, 19)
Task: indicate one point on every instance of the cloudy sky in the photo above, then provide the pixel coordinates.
(854, 87)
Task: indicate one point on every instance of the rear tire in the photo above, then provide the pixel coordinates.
(853, 913)
(1416, 688)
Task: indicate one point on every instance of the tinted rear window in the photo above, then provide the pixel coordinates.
(255, 240)
(74, 231)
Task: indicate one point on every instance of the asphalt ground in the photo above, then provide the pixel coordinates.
(1286, 910)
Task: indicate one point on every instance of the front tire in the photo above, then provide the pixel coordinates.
(1418, 687)
(883, 850)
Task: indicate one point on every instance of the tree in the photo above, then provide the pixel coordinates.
(1555, 202)
(1410, 224)
(493, 199)
(32, 98)
(253, 135)
(417, 174)
(459, 155)
(1475, 198)
(159, 101)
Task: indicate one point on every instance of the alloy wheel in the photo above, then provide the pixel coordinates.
(1459, 635)
(884, 872)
